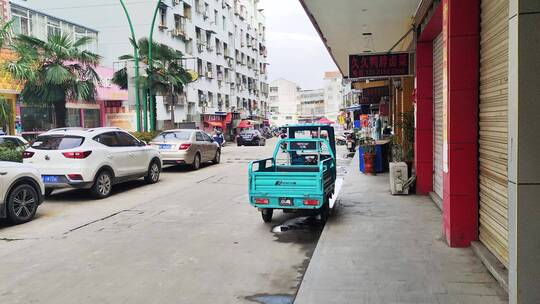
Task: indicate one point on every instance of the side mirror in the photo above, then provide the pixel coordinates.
(142, 143)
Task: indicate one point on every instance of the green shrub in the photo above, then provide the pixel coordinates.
(10, 154)
(145, 136)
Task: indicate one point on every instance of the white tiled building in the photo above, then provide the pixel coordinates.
(283, 102)
(311, 105)
(333, 91)
(223, 40)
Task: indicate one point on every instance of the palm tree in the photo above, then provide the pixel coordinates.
(5, 33)
(168, 77)
(54, 71)
(5, 114)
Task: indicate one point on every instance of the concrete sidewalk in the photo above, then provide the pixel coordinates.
(379, 248)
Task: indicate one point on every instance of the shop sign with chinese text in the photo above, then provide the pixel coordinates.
(379, 65)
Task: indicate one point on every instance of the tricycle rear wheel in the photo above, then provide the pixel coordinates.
(267, 215)
(325, 211)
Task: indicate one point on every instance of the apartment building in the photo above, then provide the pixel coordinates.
(333, 94)
(41, 24)
(311, 105)
(224, 41)
(283, 102)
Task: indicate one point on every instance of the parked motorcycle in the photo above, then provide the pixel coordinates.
(341, 140)
(351, 143)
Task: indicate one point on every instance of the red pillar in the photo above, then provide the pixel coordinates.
(460, 194)
(423, 133)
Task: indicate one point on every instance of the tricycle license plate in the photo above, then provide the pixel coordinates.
(285, 201)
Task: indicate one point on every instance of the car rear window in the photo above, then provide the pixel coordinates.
(57, 142)
(177, 135)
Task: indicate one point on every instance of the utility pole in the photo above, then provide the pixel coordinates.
(136, 59)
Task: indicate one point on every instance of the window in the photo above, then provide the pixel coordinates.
(178, 22)
(53, 28)
(187, 11)
(57, 142)
(273, 89)
(11, 141)
(174, 136)
(126, 140)
(199, 136)
(21, 22)
(108, 139)
(288, 117)
(207, 137)
(209, 69)
(92, 118)
(210, 99)
(216, 16)
(224, 23)
(163, 17)
(200, 67)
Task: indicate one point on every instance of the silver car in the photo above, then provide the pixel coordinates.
(187, 147)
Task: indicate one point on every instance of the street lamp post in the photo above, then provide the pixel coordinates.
(136, 58)
(150, 67)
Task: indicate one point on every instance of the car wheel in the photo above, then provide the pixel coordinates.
(196, 162)
(217, 158)
(154, 171)
(267, 215)
(102, 187)
(22, 204)
(238, 144)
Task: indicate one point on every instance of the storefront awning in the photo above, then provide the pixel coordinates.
(214, 123)
(244, 124)
(350, 27)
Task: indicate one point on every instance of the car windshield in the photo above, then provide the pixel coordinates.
(57, 142)
(172, 136)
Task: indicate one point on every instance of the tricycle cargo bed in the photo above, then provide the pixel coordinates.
(303, 177)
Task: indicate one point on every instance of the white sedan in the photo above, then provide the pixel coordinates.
(21, 190)
(94, 159)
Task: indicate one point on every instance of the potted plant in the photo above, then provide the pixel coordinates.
(368, 154)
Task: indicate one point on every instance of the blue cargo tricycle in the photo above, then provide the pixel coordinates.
(300, 175)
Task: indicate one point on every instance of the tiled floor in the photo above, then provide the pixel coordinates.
(380, 248)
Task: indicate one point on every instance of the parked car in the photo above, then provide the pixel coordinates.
(94, 159)
(186, 146)
(16, 141)
(250, 138)
(21, 190)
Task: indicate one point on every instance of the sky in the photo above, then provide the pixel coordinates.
(295, 51)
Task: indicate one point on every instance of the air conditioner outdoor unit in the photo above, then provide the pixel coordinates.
(179, 33)
(399, 181)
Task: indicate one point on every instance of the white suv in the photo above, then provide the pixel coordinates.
(21, 191)
(92, 159)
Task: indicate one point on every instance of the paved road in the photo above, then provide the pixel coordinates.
(191, 238)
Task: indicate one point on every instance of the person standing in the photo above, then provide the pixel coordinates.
(378, 127)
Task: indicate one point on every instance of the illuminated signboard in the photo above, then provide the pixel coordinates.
(379, 65)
